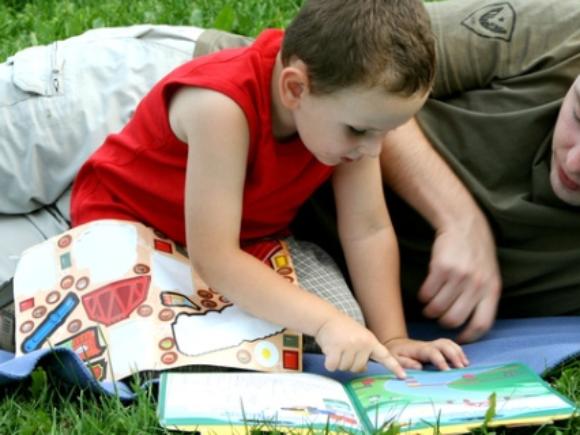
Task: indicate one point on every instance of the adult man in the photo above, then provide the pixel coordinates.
(505, 69)
(505, 115)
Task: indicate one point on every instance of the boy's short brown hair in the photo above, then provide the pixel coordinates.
(386, 43)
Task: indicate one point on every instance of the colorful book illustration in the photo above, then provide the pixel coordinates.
(454, 401)
(125, 299)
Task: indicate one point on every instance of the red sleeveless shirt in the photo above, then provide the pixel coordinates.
(139, 173)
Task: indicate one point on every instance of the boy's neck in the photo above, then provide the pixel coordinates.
(283, 125)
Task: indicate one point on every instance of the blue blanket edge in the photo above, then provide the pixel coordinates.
(541, 343)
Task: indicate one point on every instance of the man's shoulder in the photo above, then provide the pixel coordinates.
(213, 40)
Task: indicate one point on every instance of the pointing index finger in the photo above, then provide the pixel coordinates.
(384, 357)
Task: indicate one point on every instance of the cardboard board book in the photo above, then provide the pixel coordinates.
(124, 298)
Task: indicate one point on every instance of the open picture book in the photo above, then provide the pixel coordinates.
(454, 401)
(125, 299)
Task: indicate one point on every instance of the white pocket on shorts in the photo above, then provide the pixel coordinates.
(35, 71)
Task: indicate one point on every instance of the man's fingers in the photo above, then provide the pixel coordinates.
(444, 299)
(381, 355)
(481, 321)
(462, 307)
(433, 283)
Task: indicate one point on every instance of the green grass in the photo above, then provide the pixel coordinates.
(31, 22)
(39, 405)
(43, 406)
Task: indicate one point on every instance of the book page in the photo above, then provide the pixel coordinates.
(458, 399)
(124, 298)
(224, 401)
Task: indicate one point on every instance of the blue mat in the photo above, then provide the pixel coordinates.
(541, 343)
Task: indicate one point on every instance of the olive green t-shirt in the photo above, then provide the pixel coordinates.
(503, 69)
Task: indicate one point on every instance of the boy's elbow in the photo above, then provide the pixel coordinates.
(199, 262)
(203, 262)
(211, 249)
(209, 264)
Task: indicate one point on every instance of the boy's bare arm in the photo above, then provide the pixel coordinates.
(372, 256)
(463, 283)
(217, 136)
(369, 246)
(216, 130)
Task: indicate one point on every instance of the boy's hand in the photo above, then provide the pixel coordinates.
(348, 345)
(411, 353)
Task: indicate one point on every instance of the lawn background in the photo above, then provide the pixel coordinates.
(40, 405)
(30, 22)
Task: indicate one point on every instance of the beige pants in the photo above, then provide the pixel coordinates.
(57, 104)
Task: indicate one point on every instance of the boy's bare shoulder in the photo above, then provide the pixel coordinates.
(194, 109)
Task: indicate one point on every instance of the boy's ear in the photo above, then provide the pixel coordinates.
(293, 84)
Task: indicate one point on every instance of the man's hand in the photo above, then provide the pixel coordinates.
(463, 281)
(463, 284)
(441, 352)
(348, 345)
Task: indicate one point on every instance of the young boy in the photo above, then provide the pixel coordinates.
(224, 150)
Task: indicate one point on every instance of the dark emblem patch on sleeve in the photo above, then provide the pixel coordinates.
(496, 21)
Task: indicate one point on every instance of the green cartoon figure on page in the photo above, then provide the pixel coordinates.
(158, 315)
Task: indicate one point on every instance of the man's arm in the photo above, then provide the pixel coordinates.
(463, 283)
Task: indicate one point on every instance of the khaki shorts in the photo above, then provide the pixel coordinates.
(57, 104)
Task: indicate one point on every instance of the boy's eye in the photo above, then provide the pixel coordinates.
(356, 131)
